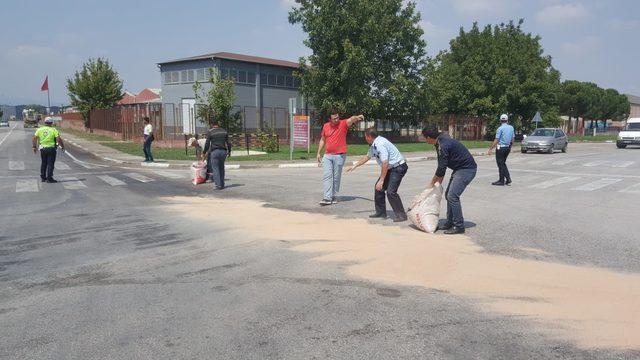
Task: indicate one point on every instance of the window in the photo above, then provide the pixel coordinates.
(175, 76)
(242, 76)
(289, 81)
(263, 79)
(190, 76)
(251, 77)
(233, 75)
(280, 80)
(167, 77)
(183, 76)
(272, 80)
(224, 73)
(200, 75)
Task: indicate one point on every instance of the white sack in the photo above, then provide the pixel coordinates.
(425, 209)
(198, 173)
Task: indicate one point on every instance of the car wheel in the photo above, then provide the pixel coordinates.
(564, 149)
(550, 151)
(523, 151)
(621, 146)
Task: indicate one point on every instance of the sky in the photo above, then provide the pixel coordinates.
(589, 40)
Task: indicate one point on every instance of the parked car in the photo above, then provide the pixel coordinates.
(4, 122)
(630, 135)
(545, 139)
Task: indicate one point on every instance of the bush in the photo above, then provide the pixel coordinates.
(268, 140)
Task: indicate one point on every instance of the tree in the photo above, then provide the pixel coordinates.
(217, 102)
(96, 86)
(366, 56)
(499, 69)
(588, 101)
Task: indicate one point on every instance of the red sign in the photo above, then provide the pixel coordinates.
(301, 131)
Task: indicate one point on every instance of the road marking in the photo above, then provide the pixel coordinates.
(623, 164)
(111, 180)
(171, 175)
(563, 162)
(154, 164)
(599, 184)
(72, 183)
(8, 134)
(554, 182)
(634, 189)
(594, 163)
(59, 165)
(537, 161)
(139, 177)
(515, 159)
(16, 165)
(85, 165)
(27, 185)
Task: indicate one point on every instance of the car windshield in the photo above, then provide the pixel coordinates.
(632, 126)
(543, 132)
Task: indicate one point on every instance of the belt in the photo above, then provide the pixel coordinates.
(402, 162)
(503, 146)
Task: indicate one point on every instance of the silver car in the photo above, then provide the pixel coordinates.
(545, 139)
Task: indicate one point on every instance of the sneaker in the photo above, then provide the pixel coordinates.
(398, 219)
(325, 202)
(497, 183)
(378, 216)
(335, 200)
(52, 181)
(508, 182)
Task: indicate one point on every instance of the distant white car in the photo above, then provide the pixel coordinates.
(630, 135)
(4, 122)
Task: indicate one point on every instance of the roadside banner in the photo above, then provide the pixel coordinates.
(301, 131)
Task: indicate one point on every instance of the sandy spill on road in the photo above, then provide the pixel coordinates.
(595, 308)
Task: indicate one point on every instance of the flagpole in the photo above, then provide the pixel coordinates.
(48, 102)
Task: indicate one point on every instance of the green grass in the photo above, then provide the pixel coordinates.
(283, 154)
(87, 136)
(597, 138)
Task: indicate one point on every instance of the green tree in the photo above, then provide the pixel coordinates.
(96, 86)
(498, 69)
(366, 56)
(216, 101)
(588, 101)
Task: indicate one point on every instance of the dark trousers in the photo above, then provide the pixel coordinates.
(390, 186)
(216, 159)
(48, 156)
(501, 160)
(146, 148)
(458, 182)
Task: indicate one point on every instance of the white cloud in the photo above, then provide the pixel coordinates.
(586, 46)
(21, 52)
(562, 14)
(288, 4)
(618, 24)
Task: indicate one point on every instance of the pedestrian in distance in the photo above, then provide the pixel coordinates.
(455, 156)
(148, 139)
(393, 167)
(47, 139)
(334, 137)
(503, 142)
(217, 149)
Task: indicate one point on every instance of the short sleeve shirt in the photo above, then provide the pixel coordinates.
(47, 136)
(335, 137)
(148, 129)
(383, 150)
(505, 134)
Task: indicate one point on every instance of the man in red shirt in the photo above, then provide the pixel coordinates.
(334, 136)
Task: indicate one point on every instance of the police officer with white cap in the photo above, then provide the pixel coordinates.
(503, 142)
(47, 138)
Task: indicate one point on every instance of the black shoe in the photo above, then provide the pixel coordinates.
(508, 182)
(398, 219)
(43, 179)
(455, 230)
(446, 226)
(52, 181)
(498, 183)
(378, 216)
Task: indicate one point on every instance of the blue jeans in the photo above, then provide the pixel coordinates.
(216, 161)
(458, 182)
(146, 148)
(332, 166)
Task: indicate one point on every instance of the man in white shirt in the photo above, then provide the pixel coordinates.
(148, 139)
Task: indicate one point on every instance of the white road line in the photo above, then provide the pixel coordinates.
(59, 165)
(85, 165)
(623, 164)
(594, 163)
(515, 159)
(172, 175)
(111, 180)
(138, 177)
(537, 161)
(599, 184)
(72, 183)
(16, 165)
(634, 189)
(554, 182)
(27, 185)
(8, 134)
(563, 162)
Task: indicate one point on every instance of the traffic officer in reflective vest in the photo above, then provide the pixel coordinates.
(47, 138)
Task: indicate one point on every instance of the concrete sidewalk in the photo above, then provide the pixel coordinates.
(108, 154)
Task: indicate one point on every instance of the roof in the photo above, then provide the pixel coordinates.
(633, 99)
(145, 96)
(237, 57)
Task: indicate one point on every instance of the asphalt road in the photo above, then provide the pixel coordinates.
(94, 268)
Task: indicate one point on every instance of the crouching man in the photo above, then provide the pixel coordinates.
(393, 168)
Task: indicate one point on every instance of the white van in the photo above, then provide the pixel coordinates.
(630, 135)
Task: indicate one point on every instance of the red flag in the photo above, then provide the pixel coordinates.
(45, 84)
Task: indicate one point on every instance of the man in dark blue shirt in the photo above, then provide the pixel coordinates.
(451, 154)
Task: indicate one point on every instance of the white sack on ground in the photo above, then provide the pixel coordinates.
(198, 172)
(425, 209)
